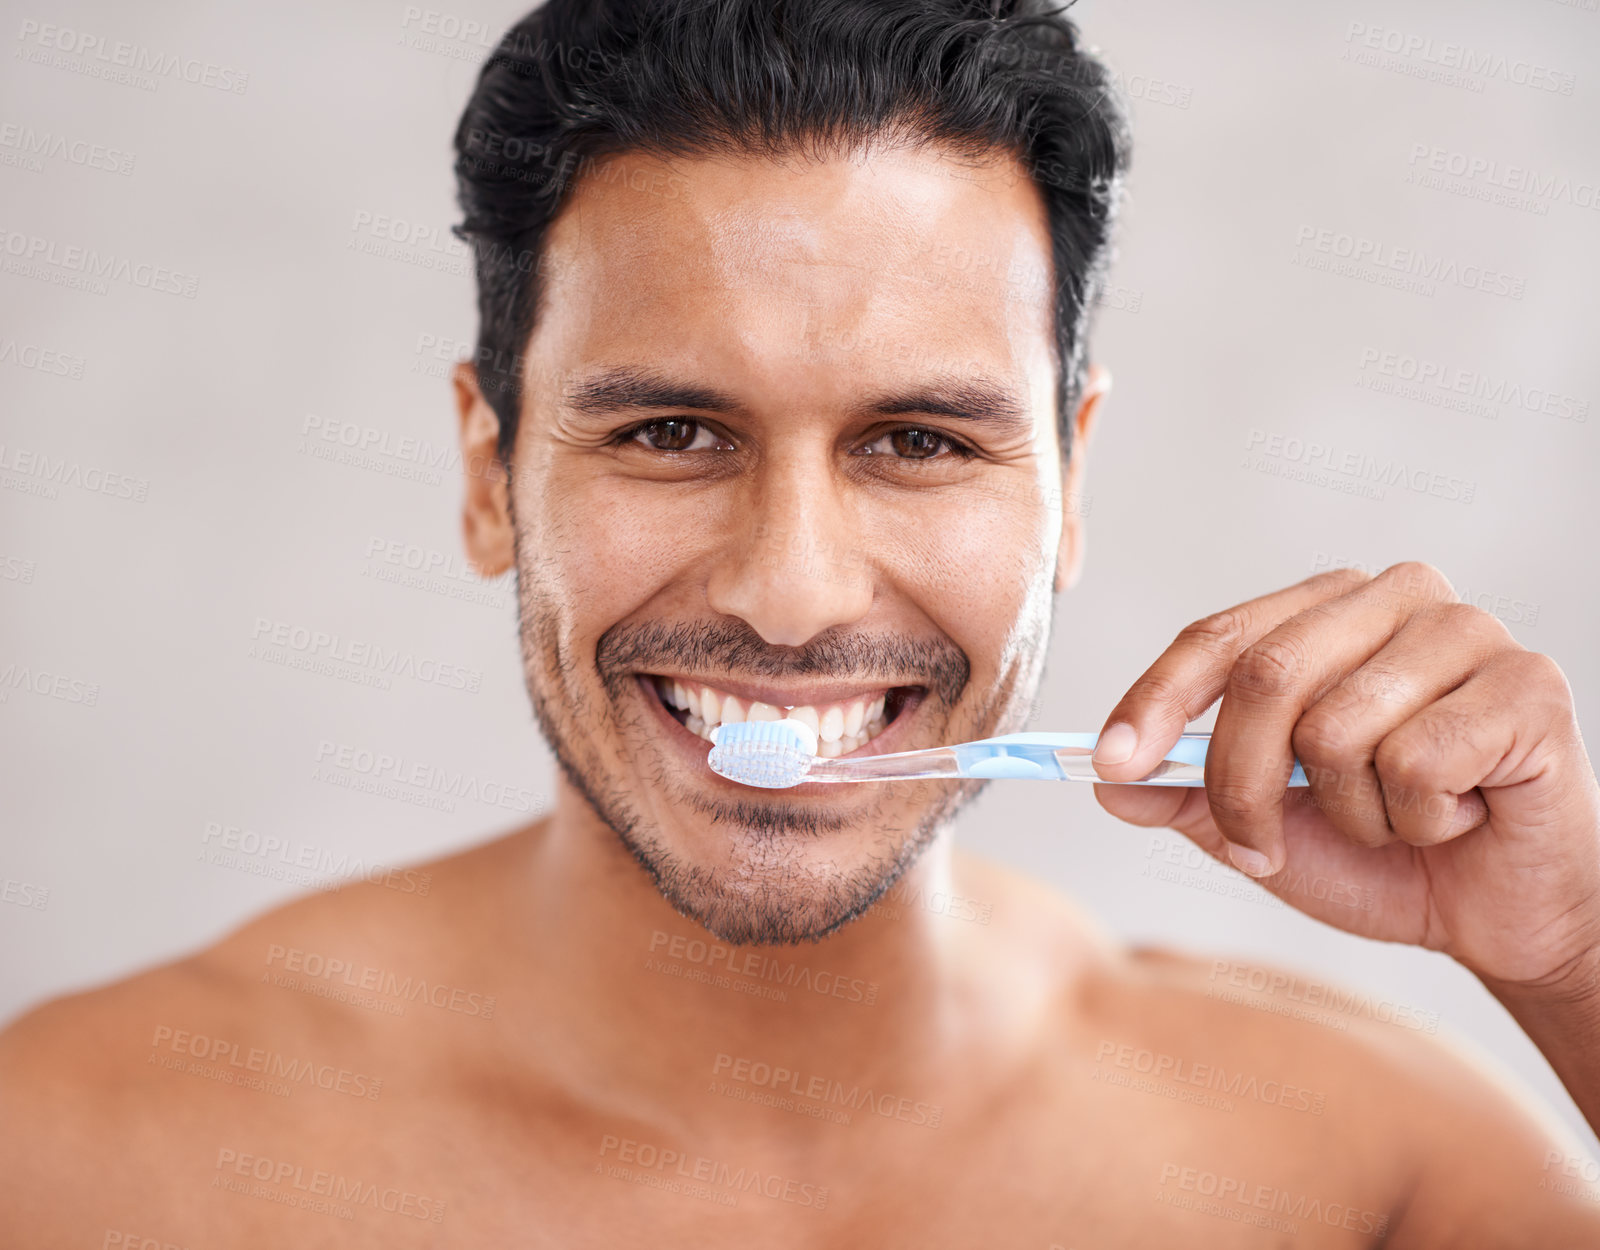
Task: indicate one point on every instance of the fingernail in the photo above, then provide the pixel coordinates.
(1116, 745)
(1469, 812)
(1252, 863)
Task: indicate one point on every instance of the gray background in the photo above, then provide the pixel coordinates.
(1253, 125)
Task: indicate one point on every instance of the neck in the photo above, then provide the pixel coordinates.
(646, 1004)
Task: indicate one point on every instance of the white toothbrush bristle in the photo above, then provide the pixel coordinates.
(770, 754)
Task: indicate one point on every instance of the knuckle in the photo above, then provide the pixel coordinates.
(1220, 632)
(1416, 580)
(1544, 674)
(1346, 577)
(1404, 759)
(1417, 813)
(1234, 801)
(1272, 667)
(1468, 621)
(1371, 833)
(1549, 690)
(1322, 736)
(1160, 688)
(1373, 684)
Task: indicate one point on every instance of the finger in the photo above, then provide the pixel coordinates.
(1149, 807)
(1272, 684)
(1166, 807)
(1492, 732)
(1189, 675)
(1336, 738)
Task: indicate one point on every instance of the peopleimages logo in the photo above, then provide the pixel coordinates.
(1502, 176)
(131, 64)
(1234, 1083)
(625, 1158)
(1436, 377)
(30, 148)
(33, 253)
(1357, 251)
(1312, 993)
(379, 981)
(725, 961)
(1286, 455)
(44, 359)
(270, 855)
(823, 1089)
(1285, 1204)
(47, 475)
(301, 646)
(380, 769)
(334, 1186)
(50, 685)
(264, 1062)
(1453, 60)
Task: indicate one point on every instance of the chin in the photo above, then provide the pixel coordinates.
(752, 866)
(768, 870)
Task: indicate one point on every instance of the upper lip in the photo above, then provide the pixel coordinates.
(789, 695)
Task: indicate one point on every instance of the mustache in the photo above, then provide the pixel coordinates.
(734, 648)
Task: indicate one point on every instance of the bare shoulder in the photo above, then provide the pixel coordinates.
(1309, 1093)
(132, 1091)
(1024, 914)
(1482, 1161)
(1355, 1035)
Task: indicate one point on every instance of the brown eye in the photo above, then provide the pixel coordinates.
(671, 435)
(915, 444)
(675, 434)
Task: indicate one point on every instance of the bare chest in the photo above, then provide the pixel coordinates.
(1115, 1168)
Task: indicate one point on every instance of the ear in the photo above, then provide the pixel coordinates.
(1069, 557)
(485, 509)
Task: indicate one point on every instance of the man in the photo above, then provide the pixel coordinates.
(769, 414)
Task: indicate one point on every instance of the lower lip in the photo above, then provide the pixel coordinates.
(697, 748)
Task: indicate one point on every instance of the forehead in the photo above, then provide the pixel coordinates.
(910, 255)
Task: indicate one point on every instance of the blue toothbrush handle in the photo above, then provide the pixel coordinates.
(1065, 757)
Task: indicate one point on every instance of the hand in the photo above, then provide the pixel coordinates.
(1451, 805)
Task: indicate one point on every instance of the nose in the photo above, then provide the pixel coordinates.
(793, 567)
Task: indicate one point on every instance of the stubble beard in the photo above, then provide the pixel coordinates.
(771, 892)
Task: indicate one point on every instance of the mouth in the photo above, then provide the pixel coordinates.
(845, 720)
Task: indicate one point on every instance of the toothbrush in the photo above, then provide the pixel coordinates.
(777, 754)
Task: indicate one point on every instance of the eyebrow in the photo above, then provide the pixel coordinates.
(971, 399)
(638, 388)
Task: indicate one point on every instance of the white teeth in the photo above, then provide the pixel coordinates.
(831, 727)
(837, 728)
(807, 716)
(808, 735)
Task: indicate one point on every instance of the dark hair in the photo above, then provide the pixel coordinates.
(579, 80)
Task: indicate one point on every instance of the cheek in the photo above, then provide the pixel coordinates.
(605, 548)
(975, 569)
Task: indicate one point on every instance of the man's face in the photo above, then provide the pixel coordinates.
(788, 440)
